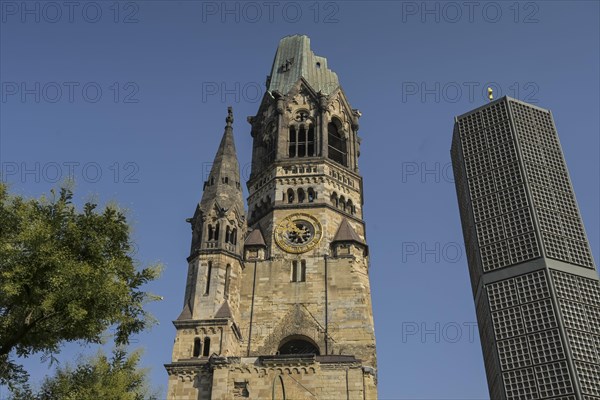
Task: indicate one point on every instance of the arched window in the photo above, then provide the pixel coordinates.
(197, 347)
(301, 196)
(211, 232)
(298, 271)
(217, 228)
(350, 207)
(208, 274)
(336, 143)
(334, 199)
(227, 235)
(310, 142)
(206, 351)
(234, 236)
(258, 209)
(227, 278)
(342, 203)
(311, 195)
(293, 142)
(290, 196)
(301, 141)
(270, 150)
(298, 344)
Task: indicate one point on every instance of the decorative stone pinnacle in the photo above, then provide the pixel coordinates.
(229, 119)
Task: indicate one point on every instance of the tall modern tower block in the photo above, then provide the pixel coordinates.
(534, 281)
(277, 303)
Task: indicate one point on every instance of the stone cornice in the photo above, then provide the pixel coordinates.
(199, 252)
(193, 323)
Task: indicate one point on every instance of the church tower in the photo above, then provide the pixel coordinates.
(278, 305)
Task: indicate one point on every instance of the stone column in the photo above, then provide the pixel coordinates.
(323, 108)
(282, 128)
(355, 145)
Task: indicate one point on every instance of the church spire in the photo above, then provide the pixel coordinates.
(220, 218)
(223, 184)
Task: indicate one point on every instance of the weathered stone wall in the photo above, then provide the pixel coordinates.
(283, 308)
(190, 383)
(254, 378)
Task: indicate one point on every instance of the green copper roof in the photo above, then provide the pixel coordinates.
(295, 59)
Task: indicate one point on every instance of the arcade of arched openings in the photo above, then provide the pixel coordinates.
(214, 232)
(198, 350)
(302, 140)
(300, 195)
(342, 203)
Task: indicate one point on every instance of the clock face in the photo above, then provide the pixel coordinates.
(298, 233)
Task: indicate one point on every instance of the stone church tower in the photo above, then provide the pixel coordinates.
(277, 302)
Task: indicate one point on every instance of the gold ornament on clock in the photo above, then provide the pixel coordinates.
(298, 233)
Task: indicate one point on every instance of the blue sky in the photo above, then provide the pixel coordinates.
(130, 98)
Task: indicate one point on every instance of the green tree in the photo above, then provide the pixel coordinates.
(96, 378)
(65, 275)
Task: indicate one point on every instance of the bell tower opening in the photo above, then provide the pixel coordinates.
(298, 344)
(337, 143)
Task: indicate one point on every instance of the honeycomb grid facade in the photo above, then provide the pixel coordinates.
(534, 280)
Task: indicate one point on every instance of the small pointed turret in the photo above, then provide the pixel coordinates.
(346, 233)
(255, 239)
(255, 246)
(223, 183)
(222, 201)
(346, 239)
